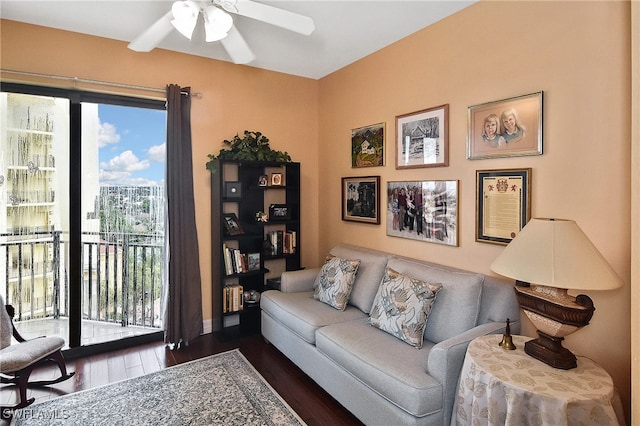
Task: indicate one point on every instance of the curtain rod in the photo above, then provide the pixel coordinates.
(89, 81)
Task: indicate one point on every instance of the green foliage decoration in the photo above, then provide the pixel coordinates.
(252, 146)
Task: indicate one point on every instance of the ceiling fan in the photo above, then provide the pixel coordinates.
(218, 24)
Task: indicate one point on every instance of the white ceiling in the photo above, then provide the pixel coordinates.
(346, 31)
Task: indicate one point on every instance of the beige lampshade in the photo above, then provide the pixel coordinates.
(556, 253)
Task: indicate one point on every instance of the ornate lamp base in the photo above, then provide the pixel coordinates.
(549, 350)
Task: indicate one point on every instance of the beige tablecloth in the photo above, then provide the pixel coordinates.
(500, 387)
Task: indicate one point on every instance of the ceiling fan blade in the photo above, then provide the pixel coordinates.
(237, 47)
(272, 15)
(153, 35)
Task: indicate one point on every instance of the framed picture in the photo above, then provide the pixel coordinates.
(276, 179)
(503, 204)
(253, 261)
(231, 224)
(423, 138)
(424, 211)
(361, 199)
(507, 128)
(263, 180)
(279, 212)
(233, 190)
(367, 146)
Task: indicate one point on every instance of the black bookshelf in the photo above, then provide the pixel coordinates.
(237, 188)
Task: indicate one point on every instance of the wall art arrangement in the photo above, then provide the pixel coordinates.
(423, 210)
(503, 205)
(361, 199)
(367, 146)
(507, 128)
(422, 138)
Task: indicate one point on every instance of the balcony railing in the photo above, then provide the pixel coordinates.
(122, 276)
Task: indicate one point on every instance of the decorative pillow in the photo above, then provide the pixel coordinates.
(402, 306)
(336, 281)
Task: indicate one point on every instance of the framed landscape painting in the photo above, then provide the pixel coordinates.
(423, 210)
(422, 138)
(367, 146)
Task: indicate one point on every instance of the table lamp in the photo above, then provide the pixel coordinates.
(546, 258)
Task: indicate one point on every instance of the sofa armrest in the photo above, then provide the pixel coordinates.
(298, 281)
(446, 358)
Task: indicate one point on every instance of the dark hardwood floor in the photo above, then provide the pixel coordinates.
(306, 398)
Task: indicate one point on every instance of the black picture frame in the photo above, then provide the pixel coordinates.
(233, 190)
(279, 212)
(503, 204)
(232, 224)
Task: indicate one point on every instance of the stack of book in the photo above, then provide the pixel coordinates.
(236, 262)
(232, 298)
(282, 242)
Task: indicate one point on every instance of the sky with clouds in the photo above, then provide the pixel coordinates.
(131, 145)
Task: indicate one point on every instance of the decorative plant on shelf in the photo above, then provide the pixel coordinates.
(253, 146)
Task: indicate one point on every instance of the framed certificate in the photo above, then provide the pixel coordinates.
(503, 204)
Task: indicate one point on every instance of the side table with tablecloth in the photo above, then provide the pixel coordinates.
(508, 387)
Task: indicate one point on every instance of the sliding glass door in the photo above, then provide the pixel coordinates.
(82, 213)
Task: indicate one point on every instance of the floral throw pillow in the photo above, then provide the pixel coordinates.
(402, 306)
(336, 281)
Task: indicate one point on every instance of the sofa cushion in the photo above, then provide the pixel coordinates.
(370, 272)
(302, 314)
(459, 299)
(402, 306)
(336, 281)
(388, 367)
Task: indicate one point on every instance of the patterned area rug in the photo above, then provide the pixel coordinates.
(220, 389)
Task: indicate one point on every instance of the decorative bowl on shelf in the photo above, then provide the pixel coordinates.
(251, 296)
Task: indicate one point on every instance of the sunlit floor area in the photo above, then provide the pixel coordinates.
(92, 331)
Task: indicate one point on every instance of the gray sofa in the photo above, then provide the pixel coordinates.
(379, 378)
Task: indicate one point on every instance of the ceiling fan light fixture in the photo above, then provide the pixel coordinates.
(185, 14)
(217, 23)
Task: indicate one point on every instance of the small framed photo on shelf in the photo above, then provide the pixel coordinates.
(361, 199)
(276, 179)
(506, 128)
(233, 190)
(503, 205)
(232, 224)
(253, 261)
(279, 212)
(422, 138)
(263, 180)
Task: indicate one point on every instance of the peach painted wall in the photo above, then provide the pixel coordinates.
(578, 53)
(234, 98)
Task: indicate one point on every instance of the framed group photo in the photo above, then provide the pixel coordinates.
(361, 199)
(503, 204)
(423, 210)
(422, 138)
(367, 146)
(506, 128)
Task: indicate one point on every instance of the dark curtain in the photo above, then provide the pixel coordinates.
(183, 302)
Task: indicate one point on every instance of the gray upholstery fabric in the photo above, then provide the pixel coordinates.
(21, 355)
(370, 273)
(394, 370)
(301, 313)
(5, 326)
(458, 303)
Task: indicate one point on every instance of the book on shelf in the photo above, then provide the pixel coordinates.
(282, 242)
(232, 298)
(235, 262)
